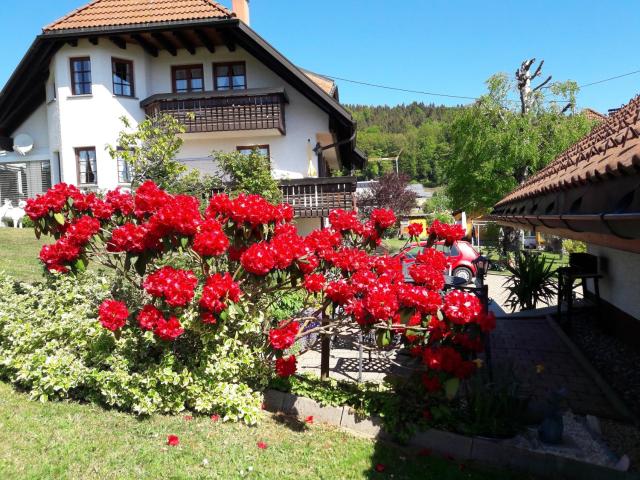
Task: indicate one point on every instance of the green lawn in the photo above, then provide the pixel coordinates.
(19, 249)
(72, 441)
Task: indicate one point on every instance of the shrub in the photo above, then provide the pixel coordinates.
(52, 345)
(574, 246)
(186, 323)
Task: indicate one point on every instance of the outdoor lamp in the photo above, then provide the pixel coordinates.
(482, 267)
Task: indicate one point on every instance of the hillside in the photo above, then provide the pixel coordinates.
(418, 129)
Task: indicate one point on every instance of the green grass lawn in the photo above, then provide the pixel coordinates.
(393, 245)
(19, 249)
(73, 441)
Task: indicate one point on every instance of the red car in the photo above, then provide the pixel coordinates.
(460, 255)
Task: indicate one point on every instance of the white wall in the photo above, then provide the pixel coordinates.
(93, 120)
(37, 127)
(620, 285)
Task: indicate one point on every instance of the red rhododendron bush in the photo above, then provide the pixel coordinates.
(195, 282)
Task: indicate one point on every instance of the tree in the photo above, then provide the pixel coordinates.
(495, 146)
(389, 192)
(150, 150)
(248, 173)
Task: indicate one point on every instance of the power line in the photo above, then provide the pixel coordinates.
(465, 97)
(610, 78)
(398, 89)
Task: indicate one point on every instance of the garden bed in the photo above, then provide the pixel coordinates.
(577, 460)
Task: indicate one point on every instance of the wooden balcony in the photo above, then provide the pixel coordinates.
(223, 111)
(316, 197)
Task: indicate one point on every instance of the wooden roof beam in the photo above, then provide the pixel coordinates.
(119, 42)
(228, 40)
(145, 44)
(94, 40)
(206, 41)
(165, 42)
(184, 41)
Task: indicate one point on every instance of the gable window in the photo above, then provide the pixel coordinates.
(86, 166)
(122, 77)
(124, 172)
(230, 76)
(81, 76)
(261, 149)
(188, 78)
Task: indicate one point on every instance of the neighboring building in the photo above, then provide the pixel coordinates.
(193, 59)
(591, 114)
(592, 193)
(422, 193)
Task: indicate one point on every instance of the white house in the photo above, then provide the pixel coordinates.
(193, 59)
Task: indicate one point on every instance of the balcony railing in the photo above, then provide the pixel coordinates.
(316, 197)
(223, 111)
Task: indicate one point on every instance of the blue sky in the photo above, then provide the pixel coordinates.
(428, 45)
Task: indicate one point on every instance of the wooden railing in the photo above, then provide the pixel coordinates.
(316, 197)
(233, 110)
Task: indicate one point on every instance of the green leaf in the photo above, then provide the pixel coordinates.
(184, 241)
(59, 218)
(451, 387)
(383, 338)
(79, 265)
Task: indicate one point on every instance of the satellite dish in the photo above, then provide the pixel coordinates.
(22, 144)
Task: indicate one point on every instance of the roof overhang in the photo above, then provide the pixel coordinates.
(606, 212)
(25, 91)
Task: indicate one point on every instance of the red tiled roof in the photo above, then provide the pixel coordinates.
(611, 149)
(108, 13)
(591, 114)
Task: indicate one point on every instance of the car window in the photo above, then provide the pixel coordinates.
(451, 251)
(413, 253)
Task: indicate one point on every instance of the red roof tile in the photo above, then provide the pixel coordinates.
(611, 149)
(108, 13)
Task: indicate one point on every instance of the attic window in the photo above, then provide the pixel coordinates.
(81, 76)
(188, 78)
(230, 76)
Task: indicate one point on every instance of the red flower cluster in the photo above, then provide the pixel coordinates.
(284, 337)
(120, 201)
(247, 210)
(461, 307)
(415, 229)
(344, 221)
(446, 232)
(168, 330)
(179, 215)
(339, 292)
(218, 289)
(448, 360)
(383, 218)
(426, 301)
(210, 241)
(149, 199)
(314, 282)
(285, 367)
(57, 256)
(258, 259)
(113, 314)
(175, 286)
(53, 201)
(133, 238)
(149, 317)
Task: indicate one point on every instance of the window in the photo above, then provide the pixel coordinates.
(122, 77)
(261, 149)
(229, 76)
(81, 76)
(451, 251)
(188, 78)
(86, 165)
(124, 173)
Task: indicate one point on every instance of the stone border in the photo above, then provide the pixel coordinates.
(481, 450)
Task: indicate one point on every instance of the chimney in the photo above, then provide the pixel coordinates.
(241, 9)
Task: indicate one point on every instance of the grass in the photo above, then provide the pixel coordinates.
(73, 441)
(393, 245)
(19, 249)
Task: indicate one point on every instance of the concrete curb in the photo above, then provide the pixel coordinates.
(484, 451)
